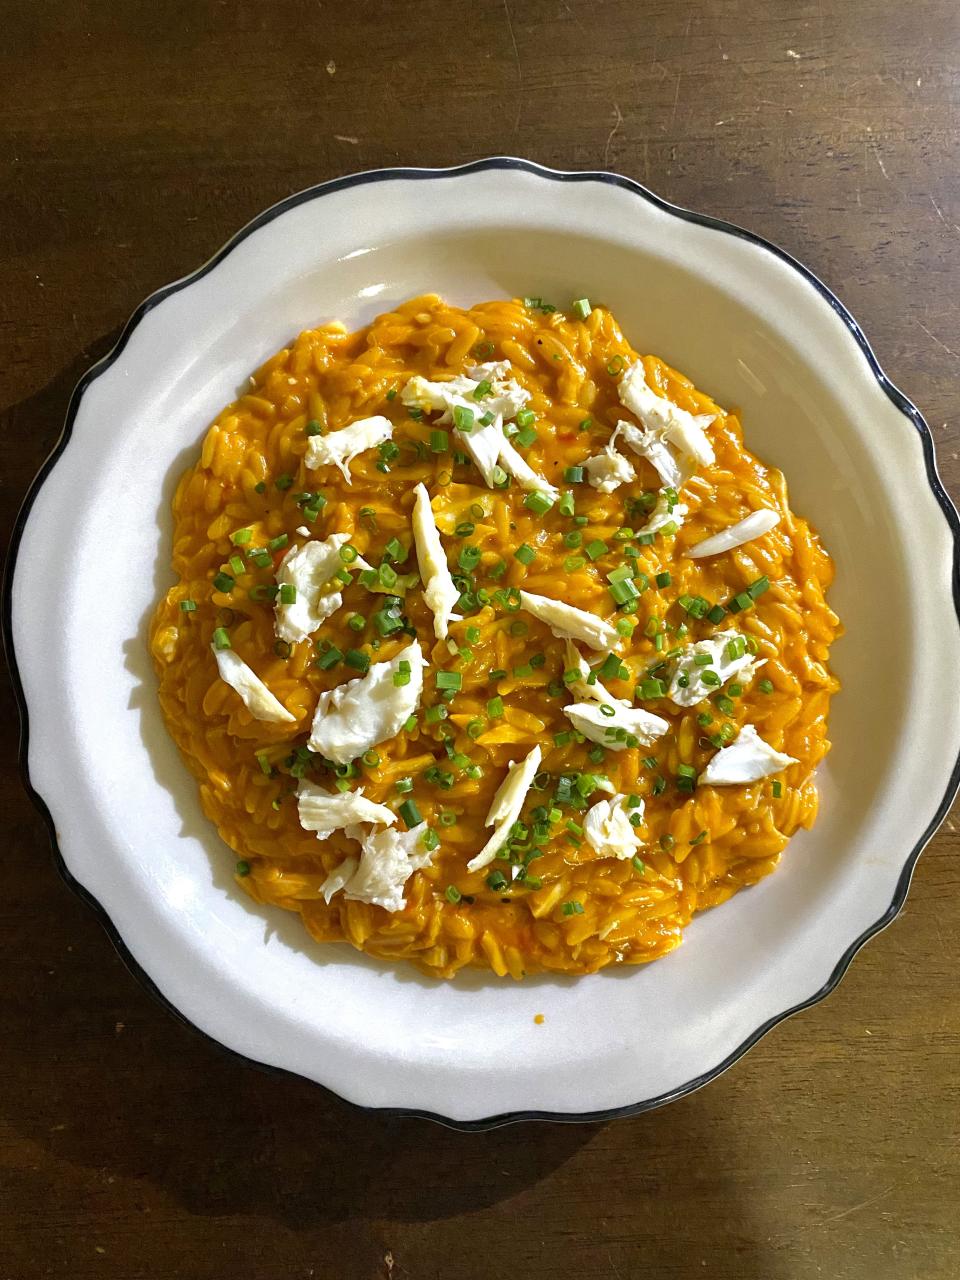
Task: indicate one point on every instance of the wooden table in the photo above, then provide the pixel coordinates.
(135, 138)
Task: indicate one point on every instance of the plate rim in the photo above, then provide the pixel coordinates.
(362, 178)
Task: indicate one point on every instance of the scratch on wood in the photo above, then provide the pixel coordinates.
(836, 1217)
(517, 64)
(938, 211)
(879, 159)
(566, 8)
(618, 121)
(345, 137)
(676, 99)
(937, 340)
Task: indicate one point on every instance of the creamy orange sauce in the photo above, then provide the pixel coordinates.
(574, 912)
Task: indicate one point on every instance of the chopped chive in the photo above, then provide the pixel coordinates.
(439, 441)
(663, 579)
(429, 840)
(572, 908)
(356, 621)
(572, 563)
(188, 606)
(743, 600)
(652, 688)
(328, 660)
(615, 365)
(699, 839)
(237, 566)
(758, 587)
(259, 487)
(667, 842)
(220, 639)
(623, 592)
(464, 417)
(496, 881)
(538, 502)
(717, 613)
(357, 659)
(410, 813)
(483, 389)
(525, 554)
(573, 475)
(777, 789)
(449, 680)
(240, 537)
(276, 543)
(581, 308)
(433, 715)
(469, 558)
(765, 686)
(566, 506)
(223, 582)
(348, 553)
(243, 867)
(452, 894)
(711, 679)
(284, 482)
(659, 785)
(725, 704)
(596, 549)
(288, 593)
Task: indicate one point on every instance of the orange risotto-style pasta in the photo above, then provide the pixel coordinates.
(491, 644)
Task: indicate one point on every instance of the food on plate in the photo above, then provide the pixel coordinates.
(491, 643)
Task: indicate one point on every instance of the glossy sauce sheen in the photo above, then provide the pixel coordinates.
(571, 369)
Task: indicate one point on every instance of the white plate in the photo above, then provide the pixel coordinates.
(753, 329)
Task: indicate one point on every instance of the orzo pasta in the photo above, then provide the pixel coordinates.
(460, 677)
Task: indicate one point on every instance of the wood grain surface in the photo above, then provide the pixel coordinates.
(135, 138)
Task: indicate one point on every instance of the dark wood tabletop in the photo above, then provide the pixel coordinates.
(135, 138)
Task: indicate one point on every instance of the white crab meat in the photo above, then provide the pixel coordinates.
(748, 759)
(327, 811)
(600, 722)
(506, 807)
(608, 470)
(687, 686)
(355, 716)
(752, 526)
(310, 570)
(256, 697)
(608, 830)
(567, 622)
(439, 590)
(339, 448)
